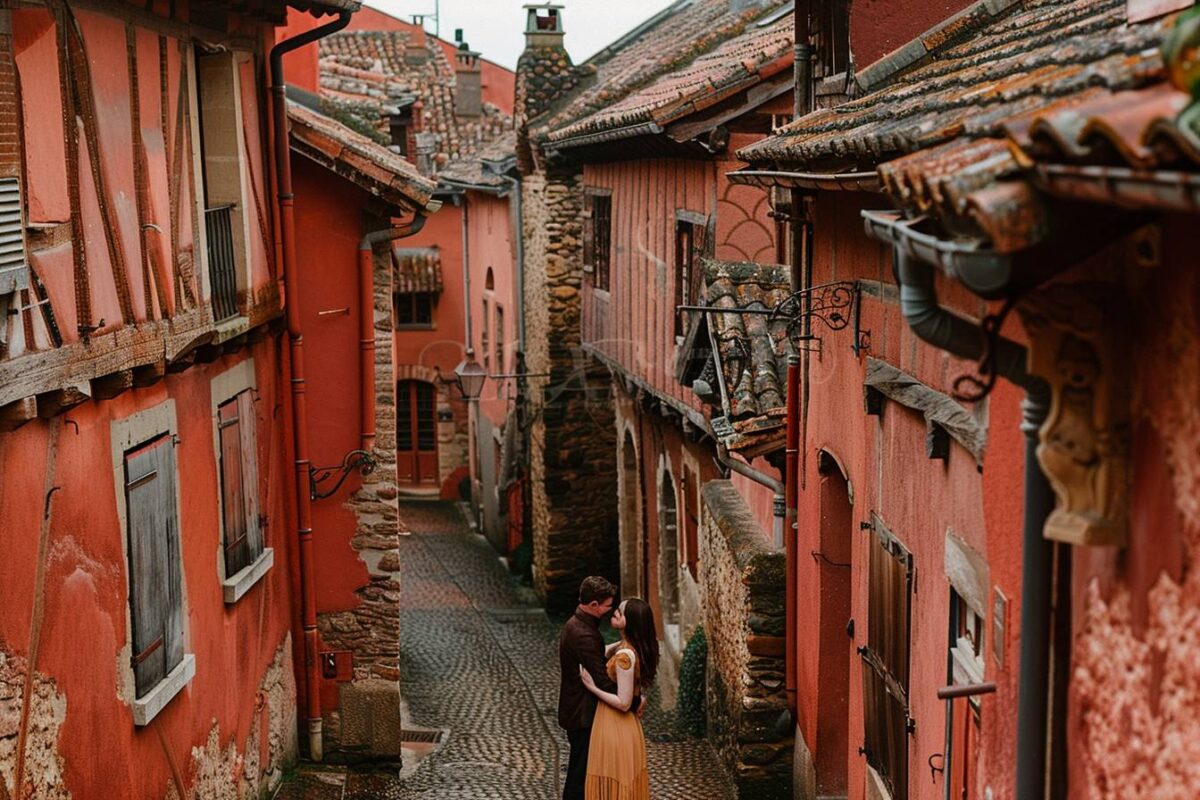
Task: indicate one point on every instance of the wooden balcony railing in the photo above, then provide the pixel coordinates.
(222, 266)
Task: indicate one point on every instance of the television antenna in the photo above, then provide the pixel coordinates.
(436, 16)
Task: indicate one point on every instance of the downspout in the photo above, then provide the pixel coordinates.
(519, 224)
(366, 321)
(286, 200)
(950, 332)
(472, 405)
(790, 530)
(522, 382)
(778, 506)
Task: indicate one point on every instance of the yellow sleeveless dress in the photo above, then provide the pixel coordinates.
(617, 753)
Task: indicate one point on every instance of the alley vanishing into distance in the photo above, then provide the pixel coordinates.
(479, 670)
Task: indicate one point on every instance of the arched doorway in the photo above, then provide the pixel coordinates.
(833, 673)
(668, 559)
(416, 433)
(630, 532)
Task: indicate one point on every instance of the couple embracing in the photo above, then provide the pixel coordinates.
(600, 697)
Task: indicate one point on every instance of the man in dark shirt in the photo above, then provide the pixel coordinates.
(581, 644)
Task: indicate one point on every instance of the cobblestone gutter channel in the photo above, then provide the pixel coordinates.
(479, 660)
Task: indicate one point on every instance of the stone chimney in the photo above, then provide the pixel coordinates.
(543, 26)
(468, 77)
(544, 71)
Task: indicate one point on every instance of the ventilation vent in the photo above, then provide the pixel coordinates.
(13, 272)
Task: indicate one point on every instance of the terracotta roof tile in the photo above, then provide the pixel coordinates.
(354, 156)
(680, 34)
(1038, 53)
(416, 269)
(746, 59)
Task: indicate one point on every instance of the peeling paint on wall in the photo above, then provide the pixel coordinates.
(43, 779)
(220, 772)
(1137, 683)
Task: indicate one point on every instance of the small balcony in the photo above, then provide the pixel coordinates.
(222, 265)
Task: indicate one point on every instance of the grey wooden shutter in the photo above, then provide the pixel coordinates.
(254, 538)
(155, 584)
(589, 233)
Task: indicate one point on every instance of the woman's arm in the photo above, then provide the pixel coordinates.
(623, 699)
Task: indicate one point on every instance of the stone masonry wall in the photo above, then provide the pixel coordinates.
(573, 438)
(48, 709)
(368, 720)
(744, 585)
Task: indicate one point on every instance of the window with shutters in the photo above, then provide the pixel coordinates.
(886, 659)
(244, 559)
(690, 229)
(144, 456)
(485, 334)
(597, 236)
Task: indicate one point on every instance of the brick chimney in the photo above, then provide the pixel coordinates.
(468, 77)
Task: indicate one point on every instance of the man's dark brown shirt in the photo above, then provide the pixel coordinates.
(580, 644)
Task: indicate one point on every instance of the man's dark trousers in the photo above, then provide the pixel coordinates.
(577, 763)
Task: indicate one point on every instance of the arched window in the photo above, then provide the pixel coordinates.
(489, 283)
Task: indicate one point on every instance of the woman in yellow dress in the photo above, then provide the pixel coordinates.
(617, 753)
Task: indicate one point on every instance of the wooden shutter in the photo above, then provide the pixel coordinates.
(14, 274)
(155, 585)
(691, 522)
(589, 233)
(886, 660)
(239, 483)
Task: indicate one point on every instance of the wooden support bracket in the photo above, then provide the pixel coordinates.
(109, 386)
(16, 414)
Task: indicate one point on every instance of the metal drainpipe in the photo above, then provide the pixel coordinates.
(366, 322)
(519, 224)
(287, 224)
(950, 332)
(779, 504)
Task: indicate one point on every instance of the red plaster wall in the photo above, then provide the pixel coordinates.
(84, 606)
(918, 499)
(329, 225)
(877, 27)
(491, 246)
(1133, 726)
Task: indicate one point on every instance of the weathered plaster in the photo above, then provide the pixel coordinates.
(43, 776)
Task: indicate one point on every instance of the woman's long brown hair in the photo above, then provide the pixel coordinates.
(642, 636)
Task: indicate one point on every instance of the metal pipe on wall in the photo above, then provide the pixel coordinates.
(779, 507)
(286, 202)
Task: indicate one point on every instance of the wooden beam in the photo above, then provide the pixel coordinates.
(107, 387)
(16, 414)
(51, 404)
(182, 362)
(149, 374)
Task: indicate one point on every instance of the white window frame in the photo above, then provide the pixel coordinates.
(125, 435)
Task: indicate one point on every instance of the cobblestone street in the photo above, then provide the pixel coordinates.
(479, 665)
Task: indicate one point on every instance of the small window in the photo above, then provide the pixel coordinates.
(499, 338)
(597, 237)
(414, 309)
(243, 541)
(485, 336)
(155, 569)
(399, 126)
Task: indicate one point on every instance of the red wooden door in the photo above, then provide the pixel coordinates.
(416, 433)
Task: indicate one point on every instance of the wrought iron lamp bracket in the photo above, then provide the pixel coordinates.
(355, 461)
(973, 388)
(835, 305)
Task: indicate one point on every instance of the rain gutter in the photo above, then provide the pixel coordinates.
(1158, 189)
(823, 181)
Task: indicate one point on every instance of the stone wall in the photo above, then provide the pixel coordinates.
(370, 702)
(744, 584)
(48, 709)
(573, 438)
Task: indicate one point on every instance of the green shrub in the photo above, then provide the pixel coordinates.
(691, 713)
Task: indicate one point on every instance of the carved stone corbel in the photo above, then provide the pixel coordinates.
(1081, 352)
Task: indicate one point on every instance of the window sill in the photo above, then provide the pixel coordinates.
(415, 326)
(146, 708)
(237, 585)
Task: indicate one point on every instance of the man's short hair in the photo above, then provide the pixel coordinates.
(596, 589)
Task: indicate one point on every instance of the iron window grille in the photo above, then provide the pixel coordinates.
(222, 263)
(597, 237)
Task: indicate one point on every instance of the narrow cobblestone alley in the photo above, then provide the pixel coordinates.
(479, 664)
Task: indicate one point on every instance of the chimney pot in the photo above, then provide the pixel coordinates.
(543, 25)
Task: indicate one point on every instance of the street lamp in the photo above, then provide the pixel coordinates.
(470, 376)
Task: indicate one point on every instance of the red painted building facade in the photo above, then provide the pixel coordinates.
(154, 583)
(976, 489)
